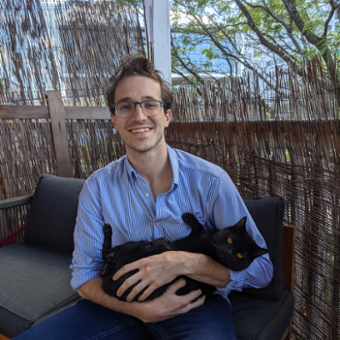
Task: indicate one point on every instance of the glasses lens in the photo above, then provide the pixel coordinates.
(125, 109)
(151, 107)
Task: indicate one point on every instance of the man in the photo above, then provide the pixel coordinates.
(142, 196)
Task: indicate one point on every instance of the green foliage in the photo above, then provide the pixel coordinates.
(224, 27)
(136, 3)
(270, 27)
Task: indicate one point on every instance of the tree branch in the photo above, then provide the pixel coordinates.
(277, 49)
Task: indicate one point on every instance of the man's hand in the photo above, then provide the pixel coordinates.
(162, 308)
(168, 305)
(153, 272)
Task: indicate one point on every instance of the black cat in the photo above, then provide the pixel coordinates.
(231, 246)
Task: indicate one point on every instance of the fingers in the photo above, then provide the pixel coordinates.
(189, 298)
(125, 269)
(147, 292)
(139, 288)
(176, 285)
(129, 282)
(195, 304)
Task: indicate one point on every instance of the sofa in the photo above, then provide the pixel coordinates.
(35, 274)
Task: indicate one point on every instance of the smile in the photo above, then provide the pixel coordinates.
(140, 130)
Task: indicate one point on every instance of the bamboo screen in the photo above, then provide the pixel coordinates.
(72, 46)
(285, 146)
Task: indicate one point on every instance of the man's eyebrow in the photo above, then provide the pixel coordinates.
(149, 97)
(125, 99)
(128, 99)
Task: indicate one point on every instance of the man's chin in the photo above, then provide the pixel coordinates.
(142, 149)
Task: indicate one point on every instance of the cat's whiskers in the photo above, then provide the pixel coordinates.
(215, 243)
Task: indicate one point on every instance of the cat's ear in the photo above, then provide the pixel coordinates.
(258, 251)
(242, 223)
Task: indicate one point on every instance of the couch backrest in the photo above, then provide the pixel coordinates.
(268, 215)
(52, 215)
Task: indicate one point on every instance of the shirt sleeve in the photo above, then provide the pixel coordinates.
(226, 208)
(88, 236)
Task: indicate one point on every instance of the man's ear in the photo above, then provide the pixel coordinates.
(167, 118)
(113, 119)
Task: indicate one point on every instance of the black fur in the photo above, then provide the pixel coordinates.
(231, 246)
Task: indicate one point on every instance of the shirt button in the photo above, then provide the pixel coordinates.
(147, 194)
(158, 224)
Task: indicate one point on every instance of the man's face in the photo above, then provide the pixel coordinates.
(139, 132)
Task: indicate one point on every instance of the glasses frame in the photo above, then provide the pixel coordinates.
(140, 104)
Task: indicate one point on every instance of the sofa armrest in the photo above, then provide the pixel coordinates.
(15, 202)
(13, 212)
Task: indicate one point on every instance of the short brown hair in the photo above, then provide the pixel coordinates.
(138, 66)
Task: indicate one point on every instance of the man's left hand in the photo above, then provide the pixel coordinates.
(153, 272)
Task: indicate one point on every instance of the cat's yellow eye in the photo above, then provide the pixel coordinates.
(240, 256)
(230, 240)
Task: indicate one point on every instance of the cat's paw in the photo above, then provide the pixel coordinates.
(189, 218)
(192, 221)
(107, 230)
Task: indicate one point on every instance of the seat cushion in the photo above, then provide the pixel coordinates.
(260, 319)
(34, 282)
(268, 215)
(52, 215)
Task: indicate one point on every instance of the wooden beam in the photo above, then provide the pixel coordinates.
(42, 112)
(24, 112)
(60, 136)
(81, 112)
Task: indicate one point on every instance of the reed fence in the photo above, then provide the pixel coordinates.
(66, 45)
(285, 145)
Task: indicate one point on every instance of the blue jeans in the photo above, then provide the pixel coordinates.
(86, 320)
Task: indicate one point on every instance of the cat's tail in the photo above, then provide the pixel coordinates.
(107, 244)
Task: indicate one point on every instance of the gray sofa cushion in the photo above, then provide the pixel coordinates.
(34, 283)
(260, 319)
(268, 215)
(52, 215)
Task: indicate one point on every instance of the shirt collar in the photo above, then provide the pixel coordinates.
(130, 170)
(173, 162)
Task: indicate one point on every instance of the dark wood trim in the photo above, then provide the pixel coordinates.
(2, 337)
(288, 256)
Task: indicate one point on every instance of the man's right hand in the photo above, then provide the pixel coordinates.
(169, 304)
(162, 308)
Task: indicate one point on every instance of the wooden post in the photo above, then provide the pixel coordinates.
(60, 137)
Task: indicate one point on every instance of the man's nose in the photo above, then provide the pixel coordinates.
(139, 112)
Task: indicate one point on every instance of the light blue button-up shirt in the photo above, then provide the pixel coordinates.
(119, 196)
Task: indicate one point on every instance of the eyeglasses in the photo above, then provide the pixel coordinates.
(149, 108)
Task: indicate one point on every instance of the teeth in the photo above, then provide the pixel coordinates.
(140, 130)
